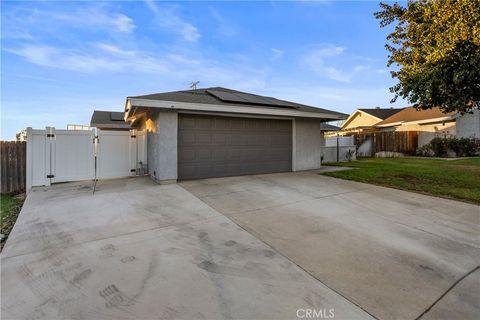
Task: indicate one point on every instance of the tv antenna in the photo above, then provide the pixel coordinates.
(193, 84)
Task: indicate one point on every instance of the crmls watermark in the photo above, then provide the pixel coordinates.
(315, 313)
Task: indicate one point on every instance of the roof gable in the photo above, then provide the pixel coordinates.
(373, 116)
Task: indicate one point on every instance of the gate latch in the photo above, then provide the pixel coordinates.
(50, 175)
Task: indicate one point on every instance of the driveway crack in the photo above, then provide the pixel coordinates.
(447, 291)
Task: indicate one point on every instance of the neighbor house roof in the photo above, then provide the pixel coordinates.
(230, 100)
(109, 120)
(410, 114)
(381, 113)
(377, 113)
(328, 127)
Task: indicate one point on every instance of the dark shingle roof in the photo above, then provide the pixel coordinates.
(381, 113)
(108, 120)
(207, 96)
(328, 127)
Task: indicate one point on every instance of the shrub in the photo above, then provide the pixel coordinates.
(439, 147)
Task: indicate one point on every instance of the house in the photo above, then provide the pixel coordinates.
(109, 120)
(216, 132)
(428, 123)
(363, 120)
(325, 130)
(468, 124)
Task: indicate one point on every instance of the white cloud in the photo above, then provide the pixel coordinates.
(24, 23)
(225, 27)
(324, 60)
(167, 18)
(360, 68)
(317, 61)
(277, 53)
(123, 23)
(174, 66)
(112, 49)
(336, 74)
(110, 58)
(383, 70)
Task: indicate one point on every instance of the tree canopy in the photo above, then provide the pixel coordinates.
(435, 46)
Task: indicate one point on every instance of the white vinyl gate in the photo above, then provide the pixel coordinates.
(73, 155)
(120, 153)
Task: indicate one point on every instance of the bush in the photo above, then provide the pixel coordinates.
(440, 147)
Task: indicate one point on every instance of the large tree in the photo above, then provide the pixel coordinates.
(435, 48)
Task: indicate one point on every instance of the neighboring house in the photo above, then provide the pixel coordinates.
(468, 125)
(109, 120)
(327, 129)
(363, 120)
(78, 127)
(428, 123)
(217, 132)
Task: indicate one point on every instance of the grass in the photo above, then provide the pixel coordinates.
(10, 207)
(455, 179)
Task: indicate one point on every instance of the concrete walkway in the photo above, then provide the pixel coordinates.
(136, 250)
(394, 253)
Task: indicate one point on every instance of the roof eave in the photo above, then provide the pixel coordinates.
(175, 105)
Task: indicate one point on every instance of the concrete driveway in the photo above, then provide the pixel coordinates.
(137, 250)
(391, 252)
(300, 241)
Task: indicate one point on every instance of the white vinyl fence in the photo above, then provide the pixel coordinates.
(342, 141)
(329, 154)
(73, 155)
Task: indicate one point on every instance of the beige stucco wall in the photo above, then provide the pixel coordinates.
(361, 119)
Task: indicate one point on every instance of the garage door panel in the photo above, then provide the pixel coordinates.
(187, 122)
(204, 155)
(187, 137)
(219, 139)
(220, 155)
(221, 124)
(186, 155)
(214, 146)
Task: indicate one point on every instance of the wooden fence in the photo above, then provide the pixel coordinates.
(13, 155)
(405, 142)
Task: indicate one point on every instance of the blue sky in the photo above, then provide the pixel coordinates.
(62, 60)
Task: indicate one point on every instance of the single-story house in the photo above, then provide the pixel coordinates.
(109, 120)
(216, 132)
(326, 127)
(428, 123)
(363, 120)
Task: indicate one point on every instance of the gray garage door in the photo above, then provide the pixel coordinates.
(214, 146)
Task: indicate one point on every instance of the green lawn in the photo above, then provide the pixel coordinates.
(457, 179)
(10, 207)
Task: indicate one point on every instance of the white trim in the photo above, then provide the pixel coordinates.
(172, 105)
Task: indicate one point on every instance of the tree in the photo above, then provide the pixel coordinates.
(435, 46)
